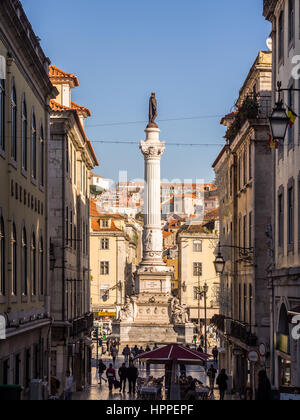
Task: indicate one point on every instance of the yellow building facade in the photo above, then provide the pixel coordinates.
(115, 252)
(197, 253)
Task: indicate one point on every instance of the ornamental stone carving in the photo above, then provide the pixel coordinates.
(129, 312)
(152, 150)
(178, 312)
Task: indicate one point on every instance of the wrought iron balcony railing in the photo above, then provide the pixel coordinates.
(82, 325)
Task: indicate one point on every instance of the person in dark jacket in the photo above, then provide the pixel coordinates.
(111, 376)
(132, 375)
(123, 376)
(101, 370)
(222, 383)
(200, 349)
(264, 390)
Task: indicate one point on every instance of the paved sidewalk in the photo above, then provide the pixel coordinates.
(101, 392)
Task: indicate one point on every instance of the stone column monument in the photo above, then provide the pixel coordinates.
(153, 315)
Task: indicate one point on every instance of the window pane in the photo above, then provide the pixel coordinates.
(2, 114)
(42, 158)
(33, 148)
(2, 257)
(13, 125)
(24, 136)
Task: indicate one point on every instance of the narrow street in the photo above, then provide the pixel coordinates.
(101, 392)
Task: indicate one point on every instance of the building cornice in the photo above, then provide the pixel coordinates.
(269, 8)
(27, 46)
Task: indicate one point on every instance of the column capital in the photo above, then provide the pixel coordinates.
(152, 150)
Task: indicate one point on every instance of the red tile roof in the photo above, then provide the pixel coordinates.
(81, 109)
(58, 76)
(97, 228)
(212, 214)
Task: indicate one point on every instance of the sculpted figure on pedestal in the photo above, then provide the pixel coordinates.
(179, 312)
(129, 312)
(152, 110)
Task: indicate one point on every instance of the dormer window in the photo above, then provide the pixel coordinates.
(105, 223)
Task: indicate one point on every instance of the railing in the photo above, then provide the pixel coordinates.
(219, 322)
(82, 325)
(242, 332)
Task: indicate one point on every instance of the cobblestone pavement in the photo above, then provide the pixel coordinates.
(101, 392)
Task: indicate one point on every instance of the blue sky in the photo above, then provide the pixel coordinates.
(194, 54)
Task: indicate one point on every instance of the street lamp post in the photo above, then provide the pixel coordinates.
(202, 293)
(205, 290)
(279, 122)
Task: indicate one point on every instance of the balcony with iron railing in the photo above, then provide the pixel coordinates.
(82, 325)
(243, 333)
(253, 107)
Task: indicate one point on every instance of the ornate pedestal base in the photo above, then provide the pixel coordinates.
(140, 334)
(185, 333)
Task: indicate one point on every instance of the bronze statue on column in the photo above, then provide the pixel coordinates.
(152, 111)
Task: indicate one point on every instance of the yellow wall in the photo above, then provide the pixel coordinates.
(15, 210)
(187, 258)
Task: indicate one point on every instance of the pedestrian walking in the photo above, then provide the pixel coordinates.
(200, 349)
(202, 340)
(132, 375)
(68, 391)
(211, 373)
(141, 351)
(114, 355)
(215, 353)
(111, 377)
(264, 390)
(222, 383)
(54, 387)
(101, 370)
(126, 353)
(123, 377)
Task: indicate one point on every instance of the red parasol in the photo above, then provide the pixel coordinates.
(174, 352)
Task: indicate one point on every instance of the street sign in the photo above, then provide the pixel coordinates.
(253, 356)
(262, 349)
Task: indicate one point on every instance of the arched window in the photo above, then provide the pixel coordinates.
(24, 263)
(14, 257)
(33, 147)
(41, 266)
(33, 264)
(2, 257)
(24, 135)
(42, 157)
(13, 111)
(2, 114)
